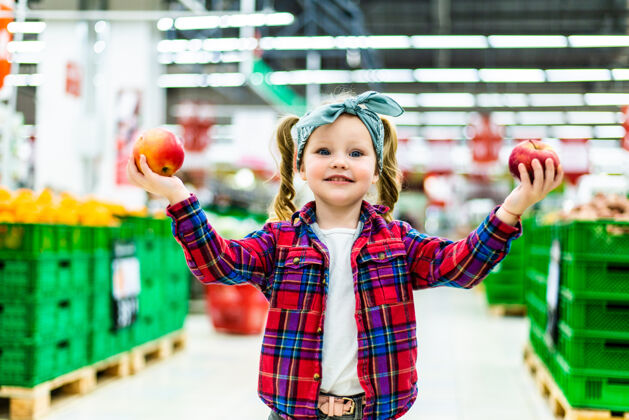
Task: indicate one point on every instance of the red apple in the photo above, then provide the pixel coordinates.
(163, 150)
(528, 150)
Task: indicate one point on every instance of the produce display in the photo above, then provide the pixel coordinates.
(577, 294)
(58, 307)
(602, 206)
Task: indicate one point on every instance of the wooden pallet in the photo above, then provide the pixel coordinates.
(557, 401)
(35, 403)
(507, 310)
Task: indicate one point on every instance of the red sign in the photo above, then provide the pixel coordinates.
(196, 120)
(575, 159)
(486, 139)
(5, 38)
(73, 79)
(625, 123)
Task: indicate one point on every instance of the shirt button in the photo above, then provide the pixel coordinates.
(381, 255)
(319, 330)
(317, 377)
(295, 260)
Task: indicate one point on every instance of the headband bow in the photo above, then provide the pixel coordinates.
(365, 106)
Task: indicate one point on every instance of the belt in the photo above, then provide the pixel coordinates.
(331, 405)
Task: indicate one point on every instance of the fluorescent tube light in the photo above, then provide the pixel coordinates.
(408, 100)
(445, 118)
(609, 131)
(526, 132)
(527, 41)
(512, 75)
(181, 80)
(454, 100)
(556, 99)
(26, 46)
(592, 117)
(542, 117)
(230, 44)
(503, 118)
(572, 131)
(594, 99)
(448, 41)
(578, 75)
(598, 41)
(26, 27)
(389, 42)
(446, 75)
(229, 21)
(620, 74)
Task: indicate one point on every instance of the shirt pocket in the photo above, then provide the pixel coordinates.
(383, 273)
(297, 278)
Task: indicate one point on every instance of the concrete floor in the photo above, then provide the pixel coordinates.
(470, 368)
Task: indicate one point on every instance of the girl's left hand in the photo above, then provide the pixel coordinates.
(528, 193)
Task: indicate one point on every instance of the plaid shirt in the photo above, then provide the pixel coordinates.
(289, 264)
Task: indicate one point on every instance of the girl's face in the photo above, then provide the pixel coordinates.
(339, 162)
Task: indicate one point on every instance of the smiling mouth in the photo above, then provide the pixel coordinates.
(338, 179)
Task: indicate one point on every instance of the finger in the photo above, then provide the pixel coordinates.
(538, 174)
(549, 177)
(144, 166)
(132, 170)
(558, 176)
(525, 180)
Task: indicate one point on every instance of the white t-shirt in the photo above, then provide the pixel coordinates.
(340, 342)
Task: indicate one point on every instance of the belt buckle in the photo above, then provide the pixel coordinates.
(352, 407)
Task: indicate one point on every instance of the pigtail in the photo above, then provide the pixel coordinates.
(390, 181)
(283, 206)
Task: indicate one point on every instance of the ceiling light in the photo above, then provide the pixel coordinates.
(620, 74)
(556, 99)
(229, 21)
(448, 41)
(594, 99)
(181, 80)
(26, 27)
(519, 132)
(26, 46)
(578, 75)
(454, 100)
(389, 42)
(591, 117)
(527, 41)
(598, 41)
(572, 131)
(543, 117)
(446, 75)
(503, 118)
(445, 118)
(512, 75)
(609, 131)
(404, 99)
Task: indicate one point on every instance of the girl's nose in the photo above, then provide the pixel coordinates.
(339, 162)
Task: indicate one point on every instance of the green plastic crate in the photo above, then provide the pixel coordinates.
(591, 388)
(535, 283)
(45, 319)
(584, 276)
(594, 350)
(100, 272)
(29, 240)
(536, 336)
(505, 294)
(536, 311)
(594, 311)
(148, 328)
(46, 276)
(103, 342)
(606, 239)
(30, 364)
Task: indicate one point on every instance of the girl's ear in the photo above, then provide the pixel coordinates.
(376, 177)
(302, 170)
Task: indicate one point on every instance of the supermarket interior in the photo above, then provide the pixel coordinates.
(209, 283)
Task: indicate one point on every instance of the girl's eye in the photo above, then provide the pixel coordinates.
(356, 153)
(323, 152)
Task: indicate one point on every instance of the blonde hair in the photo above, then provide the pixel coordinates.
(389, 182)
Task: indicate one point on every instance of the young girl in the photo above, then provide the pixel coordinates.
(339, 274)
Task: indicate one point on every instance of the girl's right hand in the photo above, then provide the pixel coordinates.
(170, 187)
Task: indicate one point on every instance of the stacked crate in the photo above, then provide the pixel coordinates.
(505, 284)
(44, 293)
(56, 306)
(589, 359)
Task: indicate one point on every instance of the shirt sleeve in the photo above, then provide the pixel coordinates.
(213, 259)
(434, 261)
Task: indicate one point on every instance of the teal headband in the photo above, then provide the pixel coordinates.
(373, 103)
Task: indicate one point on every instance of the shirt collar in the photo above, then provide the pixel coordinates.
(307, 213)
